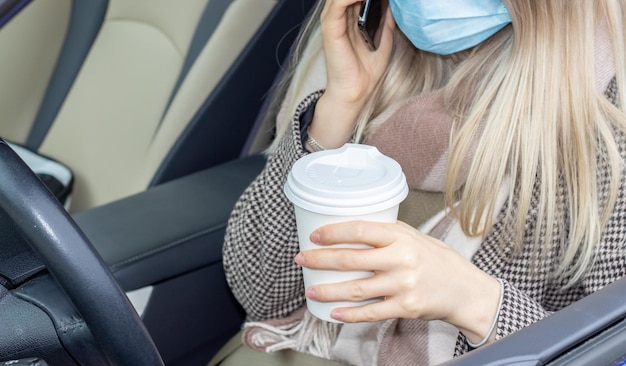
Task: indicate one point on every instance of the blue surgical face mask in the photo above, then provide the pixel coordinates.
(449, 26)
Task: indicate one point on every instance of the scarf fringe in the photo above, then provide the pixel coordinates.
(309, 335)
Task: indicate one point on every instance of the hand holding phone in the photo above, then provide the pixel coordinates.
(370, 21)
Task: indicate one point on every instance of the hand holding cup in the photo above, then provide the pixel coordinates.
(354, 182)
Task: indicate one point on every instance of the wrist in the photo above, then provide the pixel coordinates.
(491, 332)
(312, 145)
(333, 122)
(477, 319)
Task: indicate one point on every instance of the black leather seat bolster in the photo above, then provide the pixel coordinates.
(170, 229)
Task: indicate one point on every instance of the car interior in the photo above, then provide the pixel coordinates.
(157, 108)
(106, 87)
(130, 95)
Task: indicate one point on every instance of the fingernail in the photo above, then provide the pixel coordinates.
(336, 314)
(310, 293)
(300, 259)
(315, 237)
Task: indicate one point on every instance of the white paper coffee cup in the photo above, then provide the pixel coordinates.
(354, 182)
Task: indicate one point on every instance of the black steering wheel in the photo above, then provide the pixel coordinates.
(73, 262)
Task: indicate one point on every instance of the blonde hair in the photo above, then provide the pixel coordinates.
(559, 128)
(531, 88)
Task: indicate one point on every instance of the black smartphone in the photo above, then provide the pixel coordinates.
(371, 18)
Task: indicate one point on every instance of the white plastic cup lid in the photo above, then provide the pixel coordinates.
(352, 180)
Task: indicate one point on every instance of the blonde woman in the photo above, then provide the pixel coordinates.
(510, 131)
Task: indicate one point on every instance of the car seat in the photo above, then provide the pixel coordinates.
(146, 91)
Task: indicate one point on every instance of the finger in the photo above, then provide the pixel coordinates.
(386, 40)
(334, 14)
(337, 8)
(378, 286)
(352, 16)
(372, 312)
(344, 259)
(376, 234)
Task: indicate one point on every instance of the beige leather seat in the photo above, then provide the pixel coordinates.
(123, 122)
